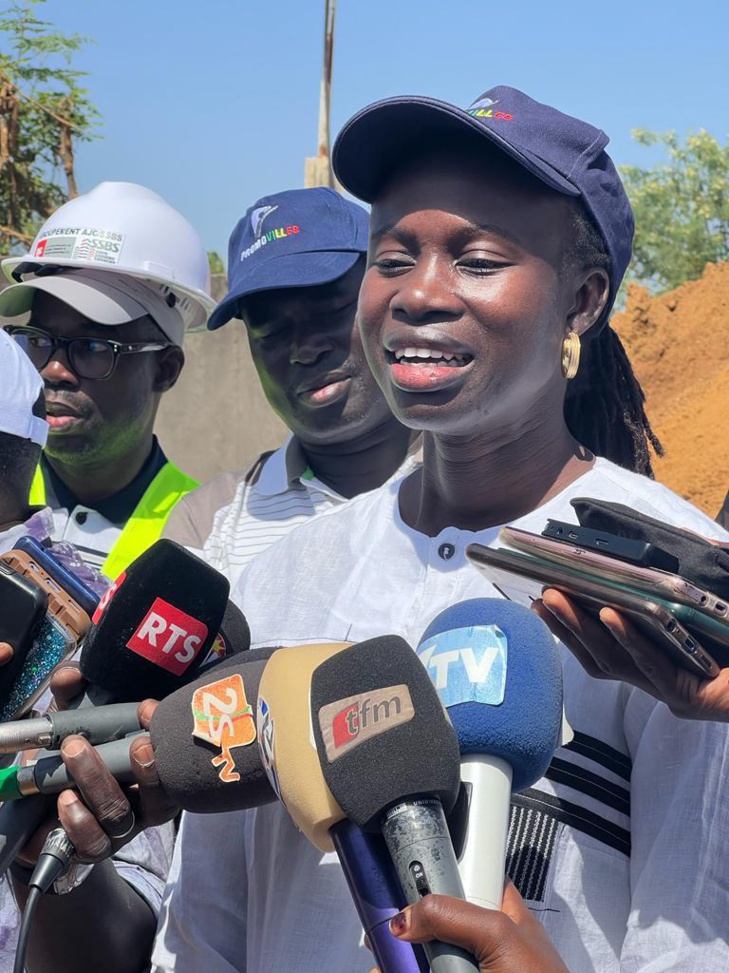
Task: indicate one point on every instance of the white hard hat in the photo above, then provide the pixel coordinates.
(129, 230)
(20, 388)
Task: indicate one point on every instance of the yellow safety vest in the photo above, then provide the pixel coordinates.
(146, 523)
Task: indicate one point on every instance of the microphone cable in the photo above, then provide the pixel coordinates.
(54, 860)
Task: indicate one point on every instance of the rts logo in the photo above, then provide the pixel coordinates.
(168, 637)
(467, 664)
(348, 722)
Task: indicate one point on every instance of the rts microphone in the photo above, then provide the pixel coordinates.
(155, 626)
(285, 736)
(389, 755)
(497, 669)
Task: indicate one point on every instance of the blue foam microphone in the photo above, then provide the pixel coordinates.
(497, 669)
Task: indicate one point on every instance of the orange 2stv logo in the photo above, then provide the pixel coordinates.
(223, 716)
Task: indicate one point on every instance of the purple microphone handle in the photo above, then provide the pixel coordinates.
(377, 896)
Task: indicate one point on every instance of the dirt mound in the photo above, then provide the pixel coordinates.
(678, 343)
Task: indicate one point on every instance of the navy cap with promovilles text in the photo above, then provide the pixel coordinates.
(296, 238)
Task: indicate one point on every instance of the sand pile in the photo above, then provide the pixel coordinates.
(678, 343)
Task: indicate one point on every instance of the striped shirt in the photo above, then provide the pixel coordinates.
(236, 516)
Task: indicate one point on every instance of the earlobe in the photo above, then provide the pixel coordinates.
(590, 300)
(169, 366)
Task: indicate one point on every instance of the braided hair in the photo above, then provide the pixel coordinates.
(605, 404)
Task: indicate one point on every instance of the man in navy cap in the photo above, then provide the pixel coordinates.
(295, 264)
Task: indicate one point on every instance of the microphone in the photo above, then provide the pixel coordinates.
(155, 625)
(99, 724)
(497, 669)
(284, 734)
(148, 606)
(49, 775)
(389, 756)
(204, 738)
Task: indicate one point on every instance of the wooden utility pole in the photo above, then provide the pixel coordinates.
(318, 168)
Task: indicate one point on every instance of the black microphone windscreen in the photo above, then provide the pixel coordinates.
(204, 738)
(155, 627)
(234, 631)
(381, 731)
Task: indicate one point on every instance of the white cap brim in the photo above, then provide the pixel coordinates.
(104, 298)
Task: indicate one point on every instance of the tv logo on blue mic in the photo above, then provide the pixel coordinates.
(467, 664)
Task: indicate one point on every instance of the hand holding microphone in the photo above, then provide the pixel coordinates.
(155, 630)
(509, 940)
(389, 756)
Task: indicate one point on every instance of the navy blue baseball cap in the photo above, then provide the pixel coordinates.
(565, 153)
(297, 238)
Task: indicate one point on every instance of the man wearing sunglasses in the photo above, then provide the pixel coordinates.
(100, 305)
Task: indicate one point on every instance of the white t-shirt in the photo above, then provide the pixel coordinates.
(621, 850)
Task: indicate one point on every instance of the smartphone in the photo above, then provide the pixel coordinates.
(22, 609)
(523, 579)
(60, 603)
(81, 594)
(624, 548)
(652, 581)
(52, 644)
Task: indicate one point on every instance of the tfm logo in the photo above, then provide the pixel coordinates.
(168, 637)
(348, 722)
(467, 664)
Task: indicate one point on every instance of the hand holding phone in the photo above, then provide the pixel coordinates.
(611, 647)
(58, 626)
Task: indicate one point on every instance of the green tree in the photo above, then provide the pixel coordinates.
(681, 209)
(44, 112)
(216, 262)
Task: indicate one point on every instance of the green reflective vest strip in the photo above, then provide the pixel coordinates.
(146, 523)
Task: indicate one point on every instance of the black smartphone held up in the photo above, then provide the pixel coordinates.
(622, 548)
(23, 607)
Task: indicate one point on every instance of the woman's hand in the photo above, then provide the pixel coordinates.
(509, 941)
(613, 648)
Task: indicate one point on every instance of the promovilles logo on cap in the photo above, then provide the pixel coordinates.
(258, 216)
(484, 108)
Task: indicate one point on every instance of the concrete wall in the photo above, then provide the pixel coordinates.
(216, 418)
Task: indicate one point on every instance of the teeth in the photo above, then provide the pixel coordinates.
(432, 354)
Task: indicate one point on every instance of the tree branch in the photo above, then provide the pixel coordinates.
(9, 231)
(62, 121)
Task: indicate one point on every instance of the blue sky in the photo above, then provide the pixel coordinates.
(214, 103)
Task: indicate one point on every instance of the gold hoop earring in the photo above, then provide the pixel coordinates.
(571, 355)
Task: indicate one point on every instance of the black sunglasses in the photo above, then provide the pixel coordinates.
(90, 358)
